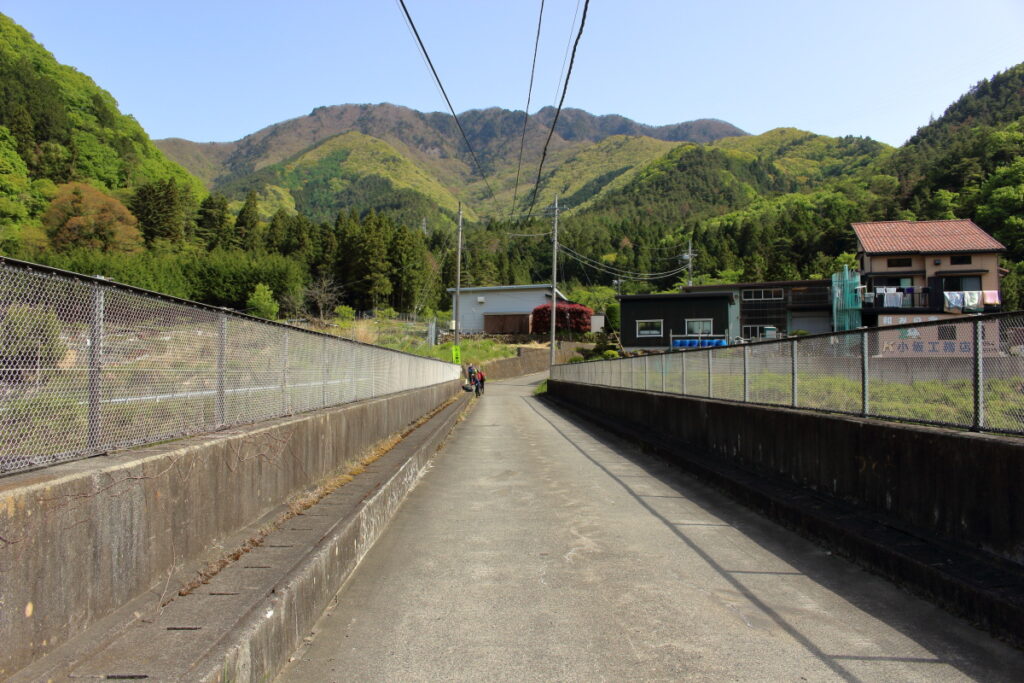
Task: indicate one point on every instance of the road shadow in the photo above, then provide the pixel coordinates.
(948, 639)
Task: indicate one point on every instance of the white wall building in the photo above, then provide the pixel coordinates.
(500, 310)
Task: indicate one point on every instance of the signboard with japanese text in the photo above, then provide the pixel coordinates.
(954, 339)
(456, 355)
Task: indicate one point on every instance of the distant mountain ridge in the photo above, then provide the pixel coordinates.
(432, 142)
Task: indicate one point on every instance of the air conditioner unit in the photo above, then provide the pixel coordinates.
(481, 299)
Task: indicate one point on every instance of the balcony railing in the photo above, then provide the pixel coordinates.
(889, 300)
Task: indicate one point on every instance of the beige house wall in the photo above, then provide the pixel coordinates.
(926, 266)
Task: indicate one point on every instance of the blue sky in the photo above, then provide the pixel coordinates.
(221, 69)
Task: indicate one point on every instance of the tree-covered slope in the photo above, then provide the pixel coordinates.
(970, 161)
(352, 171)
(57, 127)
(66, 127)
(433, 142)
(598, 168)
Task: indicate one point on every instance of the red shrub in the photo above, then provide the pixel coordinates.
(572, 317)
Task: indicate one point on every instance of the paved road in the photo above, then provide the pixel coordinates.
(539, 548)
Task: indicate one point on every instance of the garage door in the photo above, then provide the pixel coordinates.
(812, 323)
(507, 323)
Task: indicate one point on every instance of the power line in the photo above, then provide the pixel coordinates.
(526, 117)
(437, 78)
(618, 272)
(565, 89)
(622, 276)
(568, 44)
(526, 234)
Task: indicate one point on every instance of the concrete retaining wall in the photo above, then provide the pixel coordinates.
(79, 540)
(958, 485)
(530, 360)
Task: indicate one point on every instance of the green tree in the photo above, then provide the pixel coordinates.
(82, 216)
(596, 297)
(277, 232)
(1012, 286)
(344, 314)
(247, 224)
(165, 210)
(407, 263)
(213, 226)
(1001, 206)
(613, 316)
(261, 303)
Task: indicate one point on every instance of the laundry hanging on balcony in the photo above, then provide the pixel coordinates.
(954, 302)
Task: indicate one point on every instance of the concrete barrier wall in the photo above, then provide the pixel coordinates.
(530, 360)
(961, 486)
(80, 540)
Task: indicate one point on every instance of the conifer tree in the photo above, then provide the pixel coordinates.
(164, 209)
(277, 231)
(247, 224)
(373, 259)
(214, 224)
(407, 259)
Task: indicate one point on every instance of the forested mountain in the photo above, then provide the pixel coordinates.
(432, 142)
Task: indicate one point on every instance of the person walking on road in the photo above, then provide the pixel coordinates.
(481, 379)
(473, 379)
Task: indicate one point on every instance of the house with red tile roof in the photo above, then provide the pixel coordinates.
(907, 267)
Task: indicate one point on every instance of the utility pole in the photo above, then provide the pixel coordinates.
(689, 263)
(554, 280)
(458, 276)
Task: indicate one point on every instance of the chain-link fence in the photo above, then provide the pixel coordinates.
(959, 372)
(87, 366)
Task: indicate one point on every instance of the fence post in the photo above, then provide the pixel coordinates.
(865, 407)
(792, 370)
(284, 378)
(979, 379)
(95, 418)
(222, 352)
(682, 357)
(645, 372)
(661, 367)
(710, 386)
(746, 373)
(325, 373)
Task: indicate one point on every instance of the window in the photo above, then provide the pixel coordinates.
(758, 331)
(960, 260)
(902, 262)
(701, 326)
(648, 328)
(763, 294)
(964, 283)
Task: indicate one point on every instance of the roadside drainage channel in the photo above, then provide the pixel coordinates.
(249, 618)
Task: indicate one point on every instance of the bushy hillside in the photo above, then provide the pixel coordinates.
(66, 127)
(970, 161)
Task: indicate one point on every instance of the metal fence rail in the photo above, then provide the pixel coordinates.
(966, 372)
(87, 366)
